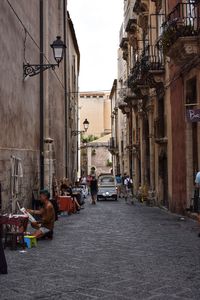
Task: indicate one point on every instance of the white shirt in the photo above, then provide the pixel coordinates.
(127, 180)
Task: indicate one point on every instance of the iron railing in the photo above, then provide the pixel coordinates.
(136, 74)
(151, 59)
(154, 58)
(184, 18)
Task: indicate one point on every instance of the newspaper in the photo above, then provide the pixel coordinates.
(25, 212)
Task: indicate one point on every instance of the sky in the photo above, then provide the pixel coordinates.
(97, 24)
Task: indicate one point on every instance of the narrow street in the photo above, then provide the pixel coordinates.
(110, 251)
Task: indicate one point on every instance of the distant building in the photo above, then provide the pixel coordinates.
(95, 106)
(120, 130)
(95, 155)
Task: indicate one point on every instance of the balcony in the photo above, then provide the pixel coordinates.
(112, 147)
(130, 22)
(155, 66)
(155, 60)
(148, 72)
(140, 6)
(130, 97)
(180, 37)
(135, 76)
(123, 42)
(123, 106)
(137, 80)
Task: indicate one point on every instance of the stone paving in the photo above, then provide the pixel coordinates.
(111, 251)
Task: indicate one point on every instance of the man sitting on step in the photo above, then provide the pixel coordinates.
(45, 225)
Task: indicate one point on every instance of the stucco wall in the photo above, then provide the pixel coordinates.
(73, 74)
(54, 91)
(97, 112)
(179, 196)
(19, 99)
(99, 160)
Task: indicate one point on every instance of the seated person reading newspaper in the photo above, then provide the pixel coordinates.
(47, 216)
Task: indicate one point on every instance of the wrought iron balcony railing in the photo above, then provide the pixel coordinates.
(151, 60)
(184, 20)
(155, 61)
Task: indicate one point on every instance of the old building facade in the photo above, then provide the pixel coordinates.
(35, 140)
(95, 155)
(159, 45)
(95, 107)
(72, 100)
(118, 145)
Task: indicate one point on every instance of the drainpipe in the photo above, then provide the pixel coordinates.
(131, 142)
(65, 83)
(0, 198)
(41, 99)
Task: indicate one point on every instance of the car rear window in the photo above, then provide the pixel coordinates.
(107, 180)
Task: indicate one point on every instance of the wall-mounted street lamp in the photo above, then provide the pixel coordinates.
(58, 51)
(85, 126)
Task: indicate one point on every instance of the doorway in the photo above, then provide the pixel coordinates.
(163, 174)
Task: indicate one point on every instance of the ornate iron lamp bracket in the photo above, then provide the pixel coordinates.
(32, 70)
(77, 132)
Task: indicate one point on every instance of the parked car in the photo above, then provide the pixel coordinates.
(107, 189)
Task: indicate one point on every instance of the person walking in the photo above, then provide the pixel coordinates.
(128, 184)
(197, 196)
(118, 179)
(196, 192)
(93, 188)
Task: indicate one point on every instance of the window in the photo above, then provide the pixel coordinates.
(107, 180)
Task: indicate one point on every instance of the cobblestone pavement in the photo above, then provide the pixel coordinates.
(112, 251)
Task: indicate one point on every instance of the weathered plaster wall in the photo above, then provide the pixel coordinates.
(179, 196)
(93, 108)
(19, 99)
(99, 160)
(53, 89)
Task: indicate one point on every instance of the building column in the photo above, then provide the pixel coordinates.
(152, 147)
(89, 159)
(142, 149)
(131, 143)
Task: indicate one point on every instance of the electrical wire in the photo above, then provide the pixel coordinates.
(168, 82)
